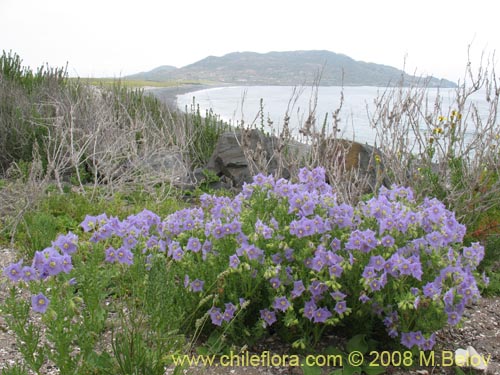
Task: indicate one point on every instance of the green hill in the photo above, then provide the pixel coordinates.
(289, 68)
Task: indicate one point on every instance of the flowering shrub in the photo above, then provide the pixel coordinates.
(285, 257)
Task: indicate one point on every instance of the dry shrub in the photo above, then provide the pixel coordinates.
(448, 150)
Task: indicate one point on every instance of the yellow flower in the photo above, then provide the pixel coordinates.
(441, 118)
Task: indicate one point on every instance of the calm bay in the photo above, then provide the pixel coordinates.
(242, 103)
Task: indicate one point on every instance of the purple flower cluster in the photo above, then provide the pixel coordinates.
(46, 263)
(318, 258)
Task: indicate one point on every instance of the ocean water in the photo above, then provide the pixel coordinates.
(242, 103)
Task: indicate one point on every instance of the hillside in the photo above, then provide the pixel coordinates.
(157, 74)
(288, 68)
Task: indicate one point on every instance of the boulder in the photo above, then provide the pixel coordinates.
(231, 163)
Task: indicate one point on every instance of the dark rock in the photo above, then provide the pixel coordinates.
(229, 159)
(347, 159)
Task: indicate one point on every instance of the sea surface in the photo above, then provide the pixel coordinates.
(239, 104)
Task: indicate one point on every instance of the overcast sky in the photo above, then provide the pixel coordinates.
(115, 38)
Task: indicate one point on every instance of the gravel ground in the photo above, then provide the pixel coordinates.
(481, 330)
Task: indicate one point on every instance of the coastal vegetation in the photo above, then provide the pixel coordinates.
(124, 265)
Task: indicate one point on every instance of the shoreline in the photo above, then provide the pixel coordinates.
(168, 95)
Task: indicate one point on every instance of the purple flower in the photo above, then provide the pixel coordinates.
(193, 244)
(432, 290)
(206, 248)
(317, 288)
(417, 338)
(276, 258)
(66, 243)
(340, 307)
(197, 285)
(321, 315)
(375, 285)
(289, 254)
(335, 244)
(216, 316)
(298, 289)
(110, 255)
(454, 316)
(449, 296)
(387, 241)
(435, 239)
(391, 321)
(369, 273)
(39, 303)
(253, 252)
(53, 265)
(364, 298)
(234, 261)
(318, 262)
(429, 343)
(129, 242)
(338, 295)
(435, 210)
(302, 227)
(229, 311)
(261, 180)
(355, 241)
(343, 215)
(386, 224)
(66, 265)
(309, 309)
(14, 271)
(29, 273)
(377, 262)
(124, 256)
(281, 303)
(275, 282)
(336, 270)
(263, 230)
(474, 254)
(406, 340)
(177, 254)
(269, 317)
(93, 222)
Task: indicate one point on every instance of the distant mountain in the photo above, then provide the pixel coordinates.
(157, 74)
(289, 68)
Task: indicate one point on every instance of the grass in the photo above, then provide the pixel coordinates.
(137, 83)
(58, 213)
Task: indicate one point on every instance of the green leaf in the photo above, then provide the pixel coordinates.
(357, 343)
(374, 370)
(459, 371)
(333, 350)
(201, 350)
(310, 370)
(337, 372)
(351, 370)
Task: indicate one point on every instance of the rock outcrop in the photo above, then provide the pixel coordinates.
(237, 157)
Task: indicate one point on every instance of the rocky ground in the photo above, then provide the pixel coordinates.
(481, 330)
